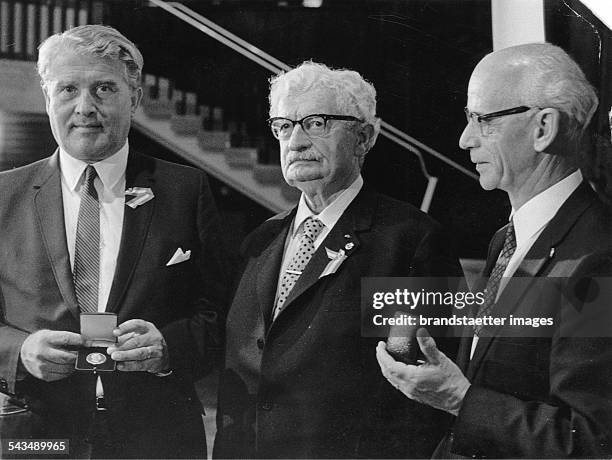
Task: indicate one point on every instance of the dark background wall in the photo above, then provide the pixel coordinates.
(418, 53)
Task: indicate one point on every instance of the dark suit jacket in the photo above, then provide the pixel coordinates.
(308, 384)
(154, 416)
(547, 396)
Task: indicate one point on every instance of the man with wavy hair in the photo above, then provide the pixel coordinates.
(98, 229)
(299, 380)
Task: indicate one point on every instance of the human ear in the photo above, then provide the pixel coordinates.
(546, 129)
(364, 135)
(136, 98)
(45, 91)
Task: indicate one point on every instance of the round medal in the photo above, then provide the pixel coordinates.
(95, 358)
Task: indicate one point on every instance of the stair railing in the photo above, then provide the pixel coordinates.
(275, 66)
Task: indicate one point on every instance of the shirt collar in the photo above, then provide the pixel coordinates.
(538, 211)
(110, 170)
(330, 215)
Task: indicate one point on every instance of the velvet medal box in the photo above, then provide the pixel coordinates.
(97, 329)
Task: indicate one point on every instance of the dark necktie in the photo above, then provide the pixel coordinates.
(87, 246)
(496, 275)
(312, 229)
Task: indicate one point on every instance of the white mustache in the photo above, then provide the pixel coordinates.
(301, 156)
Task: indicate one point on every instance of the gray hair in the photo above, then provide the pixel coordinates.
(553, 79)
(93, 40)
(354, 95)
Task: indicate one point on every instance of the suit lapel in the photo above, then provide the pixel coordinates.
(269, 266)
(535, 261)
(50, 212)
(356, 218)
(136, 224)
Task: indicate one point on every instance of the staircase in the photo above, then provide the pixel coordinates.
(25, 135)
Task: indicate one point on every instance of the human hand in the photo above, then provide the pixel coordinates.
(438, 382)
(50, 355)
(140, 347)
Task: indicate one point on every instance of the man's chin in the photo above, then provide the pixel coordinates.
(89, 152)
(305, 184)
(487, 183)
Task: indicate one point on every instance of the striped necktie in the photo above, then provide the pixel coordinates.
(87, 246)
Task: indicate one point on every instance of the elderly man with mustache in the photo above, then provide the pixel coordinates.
(299, 379)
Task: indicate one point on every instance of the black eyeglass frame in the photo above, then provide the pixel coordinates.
(500, 113)
(325, 117)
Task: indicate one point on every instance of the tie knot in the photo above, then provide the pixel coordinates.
(312, 228)
(90, 176)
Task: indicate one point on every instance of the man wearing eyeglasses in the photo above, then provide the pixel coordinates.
(525, 392)
(299, 380)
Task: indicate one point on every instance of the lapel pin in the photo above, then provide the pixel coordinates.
(347, 236)
(141, 196)
(335, 260)
(552, 253)
(349, 246)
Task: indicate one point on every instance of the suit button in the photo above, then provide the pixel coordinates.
(3, 385)
(260, 343)
(267, 405)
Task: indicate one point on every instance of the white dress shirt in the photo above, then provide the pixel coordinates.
(328, 217)
(530, 220)
(110, 185)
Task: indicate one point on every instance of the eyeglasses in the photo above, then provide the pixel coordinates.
(482, 120)
(314, 125)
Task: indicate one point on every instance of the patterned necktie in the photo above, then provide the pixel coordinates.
(312, 229)
(496, 275)
(87, 246)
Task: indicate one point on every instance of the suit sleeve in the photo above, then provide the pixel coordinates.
(195, 343)
(10, 347)
(575, 420)
(11, 339)
(404, 428)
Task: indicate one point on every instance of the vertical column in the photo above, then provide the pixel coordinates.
(70, 15)
(31, 31)
(45, 21)
(58, 24)
(517, 21)
(4, 27)
(18, 26)
(83, 8)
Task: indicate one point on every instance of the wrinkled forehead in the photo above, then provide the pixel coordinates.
(66, 60)
(299, 105)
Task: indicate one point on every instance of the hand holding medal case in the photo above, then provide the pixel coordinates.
(97, 330)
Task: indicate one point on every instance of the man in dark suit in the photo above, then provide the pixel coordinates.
(299, 379)
(98, 228)
(525, 392)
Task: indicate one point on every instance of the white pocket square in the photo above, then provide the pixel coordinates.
(179, 256)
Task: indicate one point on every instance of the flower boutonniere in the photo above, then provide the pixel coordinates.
(141, 196)
(335, 260)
